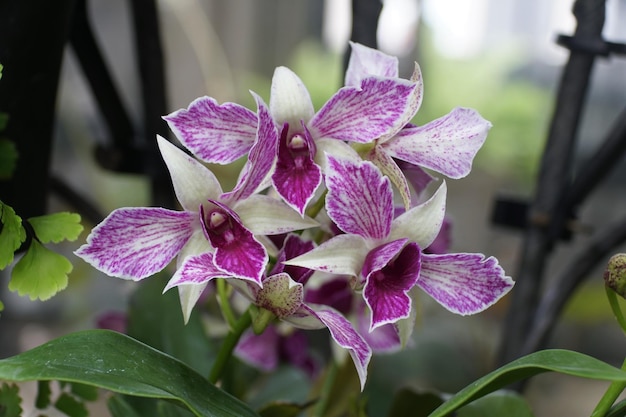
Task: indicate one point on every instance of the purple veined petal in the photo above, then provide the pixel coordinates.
(443, 241)
(381, 106)
(463, 283)
(344, 335)
(383, 339)
(260, 158)
(388, 281)
(389, 168)
(422, 223)
(290, 101)
(214, 133)
(237, 252)
(197, 244)
(336, 148)
(365, 62)
(296, 176)
(281, 295)
(292, 247)
(193, 182)
(260, 351)
(341, 255)
(264, 215)
(447, 145)
(196, 270)
(360, 198)
(415, 175)
(136, 242)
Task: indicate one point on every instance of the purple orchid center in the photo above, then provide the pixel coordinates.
(300, 145)
(219, 228)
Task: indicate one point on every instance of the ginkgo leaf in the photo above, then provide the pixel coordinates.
(41, 273)
(56, 227)
(12, 234)
(10, 401)
(8, 152)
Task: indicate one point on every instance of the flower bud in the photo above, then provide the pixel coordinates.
(615, 274)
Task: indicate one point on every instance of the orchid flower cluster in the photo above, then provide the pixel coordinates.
(311, 234)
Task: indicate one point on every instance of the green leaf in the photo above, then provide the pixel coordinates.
(41, 273)
(12, 234)
(551, 360)
(497, 404)
(1, 306)
(119, 407)
(84, 391)
(71, 406)
(124, 365)
(57, 227)
(10, 401)
(8, 153)
(43, 394)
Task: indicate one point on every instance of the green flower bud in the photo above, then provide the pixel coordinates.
(615, 274)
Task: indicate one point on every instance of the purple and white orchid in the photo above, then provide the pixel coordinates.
(384, 254)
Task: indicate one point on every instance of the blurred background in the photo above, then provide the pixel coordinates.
(497, 56)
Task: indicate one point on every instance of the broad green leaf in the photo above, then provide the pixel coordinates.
(618, 410)
(551, 360)
(43, 394)
(8, 153)
(497, 404)
(118, 407)
(41, 273)
(124, 365)
(56, 227)
(86, 392)
(12, 234)
(10, 401)
(71, 406)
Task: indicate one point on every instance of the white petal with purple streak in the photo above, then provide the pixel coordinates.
(264, 215)
(378, 107)
(136, 242)
(464, 283)
(447, 145)
(360, 198)
(289, 99)
(214, 133)
(365, 62)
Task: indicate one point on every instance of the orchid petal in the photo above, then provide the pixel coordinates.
(197, 244)
(365, 62)
(259, 351)
(360, 199)
(292, 247)
(383, 339)
(188, 296)
(193, 182)
(196, 270)
(296, 176)
(136, 242)
(390, 271)
(447, 145)
(335, 148)
(290, 101)
(260, 158)
(389, 168)
(422, 223)
(464, 283)
(281, 295)
(264, 215)
(341, 255)
(344, 335)
(237, 252)
(214, 133)
(415, 175)
(335, 293)
(380, 106)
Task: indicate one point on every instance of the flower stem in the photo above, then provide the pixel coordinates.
(329, 381)
(609, 397)
(316, 207)
(227, 312)
(226, 350)
(617, 311)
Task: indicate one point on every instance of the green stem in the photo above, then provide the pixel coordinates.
(227, 312)
(329, 381)
(609, 397)
(226, 350)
